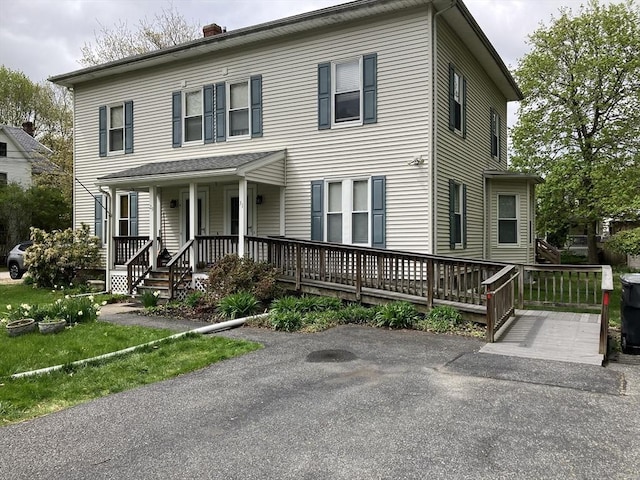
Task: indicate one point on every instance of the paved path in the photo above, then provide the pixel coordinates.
(560, 336)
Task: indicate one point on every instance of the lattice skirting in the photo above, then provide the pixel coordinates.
(119, 282)
(200, 282)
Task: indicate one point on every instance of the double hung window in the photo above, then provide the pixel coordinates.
(238, 112)
(347, 93)
(348, 212)
(457, 101)
(457, 215)
(507, 219)
(116, 128)
(115, 124)
(495, 134)
(193, 116)
(3, 149)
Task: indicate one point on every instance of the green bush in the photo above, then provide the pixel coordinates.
(55, 258)
(441, 319)
(286, 320)
(626, 242)
(356, 314)
(396, 315)
(233, 274)
(71, 309)
(149, 299)
(241, 304)
(319, 321)
(193, 299)
(306, 304)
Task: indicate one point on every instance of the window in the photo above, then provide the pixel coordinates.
(3, 149)
(457, 101)
(127, 210)
(116, 129)
(495, 134)
(193, 116)
(457, 215)
(3, 178)
(347, 92)
(507, 219)
(353, 211)
(115, 124)
(238, 112)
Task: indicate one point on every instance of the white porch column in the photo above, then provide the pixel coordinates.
(193, 221)
(242, 214)
(282, 217)
(111, 232)
(153, 225)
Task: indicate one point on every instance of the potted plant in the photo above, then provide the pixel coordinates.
(20, 327)
(52, 325)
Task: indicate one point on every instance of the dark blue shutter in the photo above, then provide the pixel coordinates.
(256, 106)
(177, 119)
(102, 129)
(208, 114)
(317, 213)
(464, 107)
(324, 96)
(98, 218)
(464, 216)
(378, 212)
(221, 113)
(369, 88)
(499, 134)
(452, 214)
(133, 214)
(128, 127)
(452, 103)
(492, 128)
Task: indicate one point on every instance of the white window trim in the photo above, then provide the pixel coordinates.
(497, 123)
(228, 109)
(517, 219)
(461, 79)
(460, 212)
(119, 214)
(351, 123)
(124, 131)
(347, 209)
(184, 117)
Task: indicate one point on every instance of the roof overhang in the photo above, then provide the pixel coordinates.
(198, 170)
(513, 176)
(460, 19)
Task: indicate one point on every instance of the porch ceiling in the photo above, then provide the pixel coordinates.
(514, 176)
(197, 169)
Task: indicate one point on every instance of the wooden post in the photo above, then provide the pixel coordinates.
(358, 275)
(490, 317)
(521, 287)
(298, 266)
(430, 282)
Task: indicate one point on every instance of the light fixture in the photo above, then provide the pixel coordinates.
(259, 200)
(417, 160)
(173, 203)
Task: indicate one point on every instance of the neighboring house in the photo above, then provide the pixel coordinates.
(21, 155)
(379, 123)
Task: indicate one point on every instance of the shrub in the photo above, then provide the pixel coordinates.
(357, 314)
(441, 319)
(396, 315)
(626, 242)
(286, 320)
(306, 304)
(56, 257)
(233, 274)
(241, 304)
(319, 321)
(193, 299)
(149, 299)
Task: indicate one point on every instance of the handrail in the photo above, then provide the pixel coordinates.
(607, 288)
(499, 291)
(179, 266)
(138, 266)
(548, 251)
(126, 246)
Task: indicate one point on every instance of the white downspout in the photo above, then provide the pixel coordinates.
(242, 214)
(108, 235)
(434, 140)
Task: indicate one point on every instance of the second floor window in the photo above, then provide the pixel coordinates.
(193, 116)
(116, 128)
(238, 111)
(495, 134)
(457, 101)
(347, 92)
(3, 149)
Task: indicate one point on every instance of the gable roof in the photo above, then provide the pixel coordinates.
(31, 149)
(454, 11)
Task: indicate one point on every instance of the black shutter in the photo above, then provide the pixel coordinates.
(452, 103)
(492, 127)
(128, 127)
(464, 107)
(464, 216)
(324, 96)
(256, 106)
(208, 114)
(176, 115)
(317, 213)
(369, 88)
(452, 214)
(378, 212)
(221, 113)
(102, 131)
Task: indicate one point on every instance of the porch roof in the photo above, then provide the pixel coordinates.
(237, 165)
(508, 175)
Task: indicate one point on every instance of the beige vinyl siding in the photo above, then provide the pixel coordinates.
(523, 251)
(465, 159)
(269, 210)
(289, 85)
(15, 165)
(273, 173)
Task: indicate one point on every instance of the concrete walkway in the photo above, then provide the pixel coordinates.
(560, 336)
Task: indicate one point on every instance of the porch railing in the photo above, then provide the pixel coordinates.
(179, 267)
(546, 251)
(500, 294)
(607, 288)
(126, 247)
(211, 249)
(138, 266)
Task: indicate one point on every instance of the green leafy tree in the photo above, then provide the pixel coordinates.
(579, 124)
(166, 29)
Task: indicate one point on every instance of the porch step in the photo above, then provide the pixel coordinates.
(157, 281)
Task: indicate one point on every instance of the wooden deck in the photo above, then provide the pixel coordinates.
(560, 336)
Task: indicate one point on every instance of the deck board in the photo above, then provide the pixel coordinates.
(560, 336)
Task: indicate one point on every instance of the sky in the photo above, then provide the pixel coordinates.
(43, 38)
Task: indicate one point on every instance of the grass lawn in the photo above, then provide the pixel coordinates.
(16, 294)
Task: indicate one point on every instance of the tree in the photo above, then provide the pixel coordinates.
(579, 123)
(20, 98)
(168, 28)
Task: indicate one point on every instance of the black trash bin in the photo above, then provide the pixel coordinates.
(630, 313)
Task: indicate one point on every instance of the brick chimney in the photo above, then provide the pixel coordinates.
(28, 127)
(211, 30)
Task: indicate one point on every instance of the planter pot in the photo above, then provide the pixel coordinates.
(20, 327)
(52, 327)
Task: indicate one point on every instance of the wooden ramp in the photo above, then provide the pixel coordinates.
(560, 336)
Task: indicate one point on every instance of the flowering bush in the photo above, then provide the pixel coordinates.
(54, 258)
(149, 299)
(71, 309)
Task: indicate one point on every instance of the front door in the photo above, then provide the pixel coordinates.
(232, 211)
(202, 227)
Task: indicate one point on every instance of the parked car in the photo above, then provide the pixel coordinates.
(15, 260)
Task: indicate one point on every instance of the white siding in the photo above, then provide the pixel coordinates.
(15, 165)
(289, 76)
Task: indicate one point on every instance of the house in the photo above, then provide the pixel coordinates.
(377, 123)
(21, 155)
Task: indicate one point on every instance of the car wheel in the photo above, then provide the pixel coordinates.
(14, 271)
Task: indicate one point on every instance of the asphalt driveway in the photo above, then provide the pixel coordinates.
(349, 403)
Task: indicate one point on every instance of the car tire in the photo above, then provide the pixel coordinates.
(14, 271)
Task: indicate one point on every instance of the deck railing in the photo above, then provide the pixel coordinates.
(500, 294)
(547, 251)
(210, 249)
(126, 247)
(179, 267)
(138, 266)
